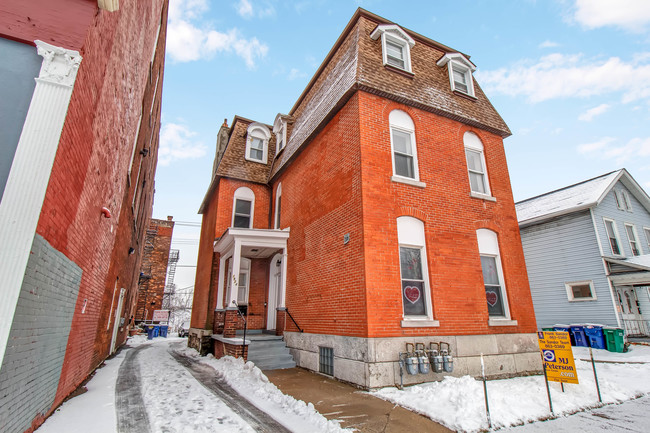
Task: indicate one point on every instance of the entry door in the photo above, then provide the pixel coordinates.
(630, 311)
(116, 322)
(275, 284)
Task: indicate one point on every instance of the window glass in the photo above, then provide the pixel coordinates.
(581, 291)
(242, 214)
(412, 281)
(403, 154)
(647, 236)
(476, 171)
(395, 54)
(257, 148)
(493, 292)
(460, 79)
(618, 200)
(626, 199)
(611, 234)
(634, 246)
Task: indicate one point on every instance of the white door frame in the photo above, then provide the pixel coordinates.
(116, 323)
(275, 282)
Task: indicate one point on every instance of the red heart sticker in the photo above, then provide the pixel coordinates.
(492, 298)
(412, 294)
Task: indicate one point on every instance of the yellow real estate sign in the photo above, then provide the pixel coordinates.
(557, 356)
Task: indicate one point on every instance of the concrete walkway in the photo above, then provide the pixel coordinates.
(354, 408)
(129, 406)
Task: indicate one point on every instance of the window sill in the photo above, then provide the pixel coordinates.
(255, 160)
(408, 181)
(403, 72)
(502, 322)
(482, 196)
(414, 323)
(583, 299)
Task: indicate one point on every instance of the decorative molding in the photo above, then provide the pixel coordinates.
(22, 201)
(59, 65)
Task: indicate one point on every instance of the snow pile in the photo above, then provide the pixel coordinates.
(459, 404)
(175, 401)
(252, 384)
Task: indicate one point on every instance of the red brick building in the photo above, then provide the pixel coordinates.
(80, 84)
(153, 271)
(377, 213)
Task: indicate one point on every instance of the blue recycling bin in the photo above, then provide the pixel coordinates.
(579, 336)
(565, 328)
(150, 332)
(163, 330)
(595, 336)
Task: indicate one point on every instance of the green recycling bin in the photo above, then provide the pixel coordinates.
(614, 339)
(548, 329)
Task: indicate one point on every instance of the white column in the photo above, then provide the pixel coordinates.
(234, 284)
(30, 171)
(222, 272)
(283, 288)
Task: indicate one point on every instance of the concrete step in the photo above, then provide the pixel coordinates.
(270, 353)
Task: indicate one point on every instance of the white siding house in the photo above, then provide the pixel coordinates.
(587, 250)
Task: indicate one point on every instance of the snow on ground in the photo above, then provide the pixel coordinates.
(94, 408)
(175, 401)
(459, 403)
(251, 383)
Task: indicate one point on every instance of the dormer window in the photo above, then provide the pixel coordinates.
(257, 143)
(280, 131)
(460, 73)
(396, 46)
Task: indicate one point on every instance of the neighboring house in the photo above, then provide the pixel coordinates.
(153, 271)
(80, 89)
(377, 213)
(587, 249)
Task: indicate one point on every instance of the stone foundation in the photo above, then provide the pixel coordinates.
(373, 362)
(200, 339)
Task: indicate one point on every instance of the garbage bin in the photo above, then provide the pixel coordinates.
(150, 332)
(163, 330)
(565, 328)
(156, 331)
(614, 339)
(548, 329)
(595, 336)
(578, 332)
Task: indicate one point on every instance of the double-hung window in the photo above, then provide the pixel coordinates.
(619, 200)
(257, 143)
(461, 78)
(646, 230)
(243, 207)
(612, 236)
(633, 240)
(280, 131)
(402, 138)
(626, 200)
(460, 71)
(278, 205)
(396, 46)
(474, 155)
(495, 290)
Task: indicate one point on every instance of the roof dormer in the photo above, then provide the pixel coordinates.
(396, 46)
(460, 73)
(280, 131)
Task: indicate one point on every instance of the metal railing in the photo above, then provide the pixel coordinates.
(293, 320)
(636, 328)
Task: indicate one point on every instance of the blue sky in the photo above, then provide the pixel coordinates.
(570, 77)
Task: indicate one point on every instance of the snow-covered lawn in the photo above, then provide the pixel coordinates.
(459, 403)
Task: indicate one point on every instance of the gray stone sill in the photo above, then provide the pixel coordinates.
(482, 196)
(501, 322)
(413, 323)
(408, 181)
(236, 341)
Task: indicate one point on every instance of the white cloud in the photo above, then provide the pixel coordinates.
(262, 9)
(187, 41)
(245, 9)
(632, 15)
(177, 142)
(295, 74)
(548, 44)
(607, 149)
(588, 115)
(562, 76)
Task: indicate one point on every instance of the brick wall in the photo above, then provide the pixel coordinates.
(153, 270)
(451, 218)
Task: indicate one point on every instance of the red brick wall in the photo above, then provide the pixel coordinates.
(227, 188)
(450, 218)
(113, 87)
(321, 202)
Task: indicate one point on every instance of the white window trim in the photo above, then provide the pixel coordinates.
(424, 320)
(646, 233)
(569, 291)
(616, 234)
(257, 130)
(460, 62)
(480, 148)
(278, 198)
(243, 193)
(619, 200)
(506, 319)
(397, 36)
(411, 132)
(626, 200)
(636, 238)
(280, 131)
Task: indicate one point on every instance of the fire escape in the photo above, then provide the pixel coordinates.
(170, 287)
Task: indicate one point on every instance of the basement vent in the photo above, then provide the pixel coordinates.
(326, 361)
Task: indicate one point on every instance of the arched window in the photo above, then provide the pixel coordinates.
(402, 141)
(495, 289)
(278, 205)
(478, 178)
(243, 207)
(416, 299)
(257, 143)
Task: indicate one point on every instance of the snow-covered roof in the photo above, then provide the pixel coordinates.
(639, 262)
(569, 199)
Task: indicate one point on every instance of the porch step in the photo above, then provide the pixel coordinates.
(269, 352)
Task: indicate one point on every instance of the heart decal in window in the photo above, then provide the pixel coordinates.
(492, 298)
(412, 294)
